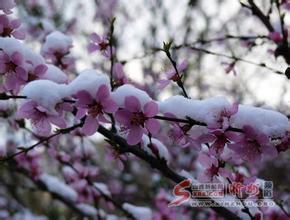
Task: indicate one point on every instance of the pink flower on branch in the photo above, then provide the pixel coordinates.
(138, 120)
(7, 5)
(100, 43)
(10, 28)
(95, 108)
(252, 144)
(12, 67)
(171, 75)
(213, 168)
(40, 117)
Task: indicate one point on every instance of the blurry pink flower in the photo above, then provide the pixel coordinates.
(31, 162)
(100, 43)
(284, 144)
(252, 145)
(113, 155)
(172, 76)
(212, 168)
(9, 28)
(180, 135)
(275, 36)
(95, 108)
(12, 68)
(135, 119)
(119, 75)
(240, 178)
(40, 117)
(230, 67)
(220, 139)
(37, 72)
(225, 115)
(287, 5)
(7, 5)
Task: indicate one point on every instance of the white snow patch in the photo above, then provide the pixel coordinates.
(138, 212)
(162, 149)
(56, 41)
(46, 93)
(103, 188)
(56, 186)
(55, 74)
(267, 121)
(89, 80)
(128, 90)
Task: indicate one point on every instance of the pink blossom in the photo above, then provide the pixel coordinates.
(287, 6)
(136, 120)
(31, 162)
(212, 168)
(220, 139)
(56, 49)
(40, 117)
(100, 43)
(10, 28)
(284, 143)
(164, 212)
(275, 36)
(230, 67)
(12, 69)
(241, 178)
(224, 117)
(114, 155)
(119, 75)
(252, 144)
(37, 72)
(180, 134)
(95, 108)
(171, 75)
(7, 5)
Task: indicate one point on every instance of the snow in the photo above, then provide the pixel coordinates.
(89, 80)
(87, 209)
(208, 111)
(11, 45)
(27, 215)
(56, 41)
(46, 93)
(129, 90)
(55, 74)
(267, 121)
(103, 188)
(54, 185)
(138, 212)
(162, 150)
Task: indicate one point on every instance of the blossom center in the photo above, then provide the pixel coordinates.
(138, 118)
(103, 45)
(10, 66)
(95, 109)
(175, 78)
(7, 32)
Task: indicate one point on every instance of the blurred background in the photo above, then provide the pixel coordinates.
(232, 57)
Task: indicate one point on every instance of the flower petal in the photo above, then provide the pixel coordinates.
(152, 125)
(109, 106)
(90, 126)
(84, 98)
(135, 135)
(151, 109)
(132, 104)
(123, 117)
(102, 93)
